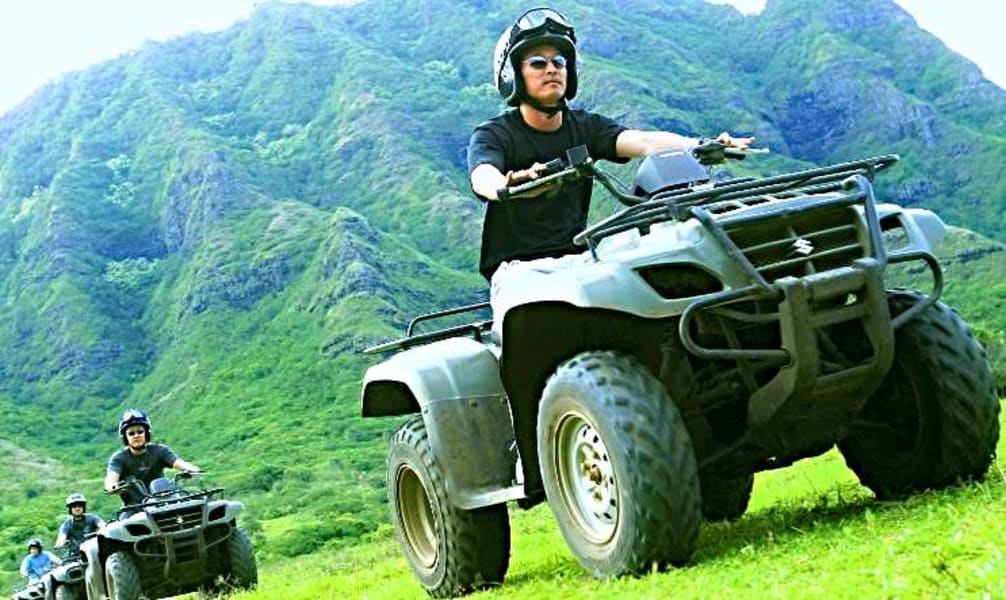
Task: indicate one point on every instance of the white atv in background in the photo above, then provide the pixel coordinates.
(710, 331)
(66, 581)
(173, 542)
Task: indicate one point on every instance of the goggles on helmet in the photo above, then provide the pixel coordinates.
(132, 414)
(539, 20)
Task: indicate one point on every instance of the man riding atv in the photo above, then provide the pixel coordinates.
(38, 562)
(140, 458)
(78, 526)
(534, 70)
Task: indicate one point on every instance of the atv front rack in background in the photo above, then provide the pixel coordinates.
(175, 497)
(475, 329)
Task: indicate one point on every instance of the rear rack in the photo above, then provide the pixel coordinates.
(411, 339)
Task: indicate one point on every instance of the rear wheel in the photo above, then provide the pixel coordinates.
(122, 577)
(450, 550)
(618, 466)
(935, 419)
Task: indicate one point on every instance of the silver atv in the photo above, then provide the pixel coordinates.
(712, 329)
(34, 590)
(66, 581)
(173, 542)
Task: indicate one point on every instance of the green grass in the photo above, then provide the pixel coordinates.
(811, 532)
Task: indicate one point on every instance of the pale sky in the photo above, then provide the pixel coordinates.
(42, 39)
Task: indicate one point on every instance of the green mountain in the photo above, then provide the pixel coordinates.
(213, 227)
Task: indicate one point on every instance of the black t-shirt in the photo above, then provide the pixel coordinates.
(528, 228)
(146, 467)
(76, 529)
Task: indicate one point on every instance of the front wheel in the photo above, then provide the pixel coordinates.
(618, 466)
(935, 419)
(122, 577)
(241, 559)
(451, 551)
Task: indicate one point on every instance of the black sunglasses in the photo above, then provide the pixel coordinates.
(539, 62)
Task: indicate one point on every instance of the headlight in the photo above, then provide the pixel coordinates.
(137, 530)
(680, 280)
(218, 512)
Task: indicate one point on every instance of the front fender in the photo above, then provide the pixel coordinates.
(94, 569)
(925, 229)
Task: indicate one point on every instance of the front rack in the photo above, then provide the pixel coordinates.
(175, 497)
(680, 205)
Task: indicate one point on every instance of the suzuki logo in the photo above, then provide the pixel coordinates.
(179, 519)
(802, 247)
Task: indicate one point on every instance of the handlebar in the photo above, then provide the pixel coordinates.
(579, 164)
(133, 482)
(557, 175)
(189, 474)
(123, 485)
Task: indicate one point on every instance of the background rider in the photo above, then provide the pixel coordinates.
(140, 458)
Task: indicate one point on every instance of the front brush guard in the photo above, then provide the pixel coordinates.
(801, 407)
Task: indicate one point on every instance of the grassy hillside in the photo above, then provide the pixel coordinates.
(213, 227)
(811, 532)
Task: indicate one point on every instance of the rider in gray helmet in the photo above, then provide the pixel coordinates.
(78, 525)
(535, 71)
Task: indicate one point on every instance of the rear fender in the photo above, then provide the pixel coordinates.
(455, 384)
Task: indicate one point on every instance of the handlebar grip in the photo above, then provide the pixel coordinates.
(554, 166)
(503, 194)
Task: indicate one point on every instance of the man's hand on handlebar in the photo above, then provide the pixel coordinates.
(188, 474)
(715, 151)
(515, 178)
(730, 141)
(120, 486)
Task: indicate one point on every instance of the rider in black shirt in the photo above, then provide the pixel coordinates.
(535, 72)
(140, 458)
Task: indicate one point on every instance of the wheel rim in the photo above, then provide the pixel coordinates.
(416, 514)
(586, 479)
